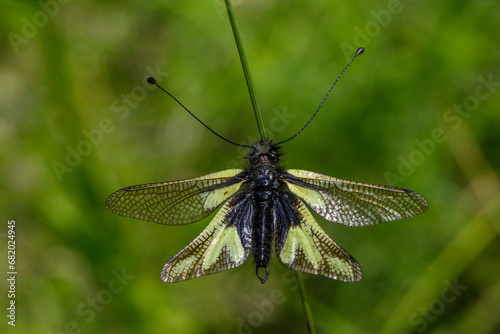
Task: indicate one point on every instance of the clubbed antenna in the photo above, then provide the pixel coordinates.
(358, 52)
(152, 81)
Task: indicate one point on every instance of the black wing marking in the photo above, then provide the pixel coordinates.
(302, 245)
(353, 203)
(178, 202)
(224, 244)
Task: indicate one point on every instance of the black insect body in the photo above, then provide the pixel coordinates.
(264, 185)
(261, 207)
(265, 206)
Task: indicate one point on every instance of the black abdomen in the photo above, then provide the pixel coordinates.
(262, 237)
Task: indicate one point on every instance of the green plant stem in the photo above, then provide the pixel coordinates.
(305, 303)
(246, 69)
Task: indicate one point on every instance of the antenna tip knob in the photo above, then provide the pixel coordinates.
(360, 51)
(152, 80)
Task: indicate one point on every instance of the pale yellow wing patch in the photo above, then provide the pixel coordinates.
(354, 203)
(219, 247)
(177, 202)
(305, 247)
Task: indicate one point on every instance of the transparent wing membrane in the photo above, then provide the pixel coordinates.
(177, 202)
(221, 246)
(302, 245)
(354, 203)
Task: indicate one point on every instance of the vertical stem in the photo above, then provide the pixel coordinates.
(262, 131)
(246, 69)
(305, 303)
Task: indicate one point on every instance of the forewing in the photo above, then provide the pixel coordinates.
(178, 202)
(302, 245)
(354, 203)
(224, 244)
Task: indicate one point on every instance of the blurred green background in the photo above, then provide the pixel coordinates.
(419, 110)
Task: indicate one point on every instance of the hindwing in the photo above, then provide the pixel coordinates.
(302, 245)
(353, 203)
(224, 244)
(177, 202)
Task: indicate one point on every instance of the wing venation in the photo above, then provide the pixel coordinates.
(354, 203)
(302, 245)
(221, 246)
(177, 202)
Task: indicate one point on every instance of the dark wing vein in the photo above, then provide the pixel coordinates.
(354, 203)
(220, 246)
(177, 202)
(302, 245)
